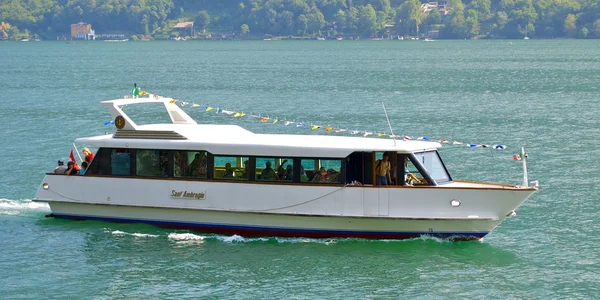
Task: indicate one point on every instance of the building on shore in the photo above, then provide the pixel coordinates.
(184, 28)
(82, 31)
(442, 7)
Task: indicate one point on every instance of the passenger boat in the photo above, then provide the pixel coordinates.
(225, 179)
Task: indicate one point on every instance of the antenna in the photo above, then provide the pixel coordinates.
(389, 124)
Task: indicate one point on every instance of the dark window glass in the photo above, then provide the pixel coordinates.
(120, 162)
(274, 168)
(231, 167)
(190, 164)
(321, 170)
(101, 163)
(152, 163)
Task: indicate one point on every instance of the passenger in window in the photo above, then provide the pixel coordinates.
(410, 178)
(281, 170)
(229, 174)
(245, 170)
(198, 166)
(321, 176)
(268, 173)
(332, 176)
(383, 170)
(303, 176)
(181, 165)
(288, 174)
(71, 170)
(60, 169)
(84, 166)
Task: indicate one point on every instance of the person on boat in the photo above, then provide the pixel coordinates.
(281, 170)
(60, 169)
(410, 178)
(198, 166)
(136, 91)
(288, 174)
(383, 170)
(84, 166)
(321, 176)
(88, 154)
(268, 173)
(332, 175)
(245, 170)
(229, 174)
(71, 170)
(303, 176)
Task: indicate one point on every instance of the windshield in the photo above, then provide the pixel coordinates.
(434, 166)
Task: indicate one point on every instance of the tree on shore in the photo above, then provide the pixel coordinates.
(569, 26)
(456, 19)
(4, 29)
(203, 19)
(245, 29)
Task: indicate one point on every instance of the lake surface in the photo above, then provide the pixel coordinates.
(541, 94)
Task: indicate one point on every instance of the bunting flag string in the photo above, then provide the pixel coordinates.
(328, 129)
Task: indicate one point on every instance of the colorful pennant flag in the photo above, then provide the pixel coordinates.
(327, 129)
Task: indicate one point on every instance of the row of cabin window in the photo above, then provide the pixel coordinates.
(203, 165)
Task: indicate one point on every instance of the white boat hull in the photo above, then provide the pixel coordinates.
(253, 209)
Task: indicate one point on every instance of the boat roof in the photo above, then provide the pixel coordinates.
(185, 134)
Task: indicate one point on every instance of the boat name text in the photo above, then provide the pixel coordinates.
(187, 195)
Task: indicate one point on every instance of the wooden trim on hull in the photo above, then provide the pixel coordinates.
(255, 231)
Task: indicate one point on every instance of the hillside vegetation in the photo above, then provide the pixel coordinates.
(455, 19)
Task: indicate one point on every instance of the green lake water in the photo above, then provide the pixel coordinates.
(541, 94)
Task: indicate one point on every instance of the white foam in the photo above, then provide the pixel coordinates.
(118, 232)
(186, 237)
(16, 207)
(144, 235)
(238, 239)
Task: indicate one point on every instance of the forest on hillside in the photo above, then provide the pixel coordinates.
(453, 19)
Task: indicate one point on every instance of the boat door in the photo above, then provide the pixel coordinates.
(376, 201)
(371, 201)
(384, 202)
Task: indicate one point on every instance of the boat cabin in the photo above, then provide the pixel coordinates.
(412, 169)
(185, 150)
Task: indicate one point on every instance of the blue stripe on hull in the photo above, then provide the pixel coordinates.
(253, 231)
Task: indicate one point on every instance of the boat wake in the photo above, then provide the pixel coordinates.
(20, 207)
(192, 238)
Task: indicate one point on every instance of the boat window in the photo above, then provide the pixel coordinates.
(434, 166)
(274, 168)
(412, 175)
(190, 164)
(101, 163)
(152, 163)
(321, 170)
(231, 167)
(120, 162)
